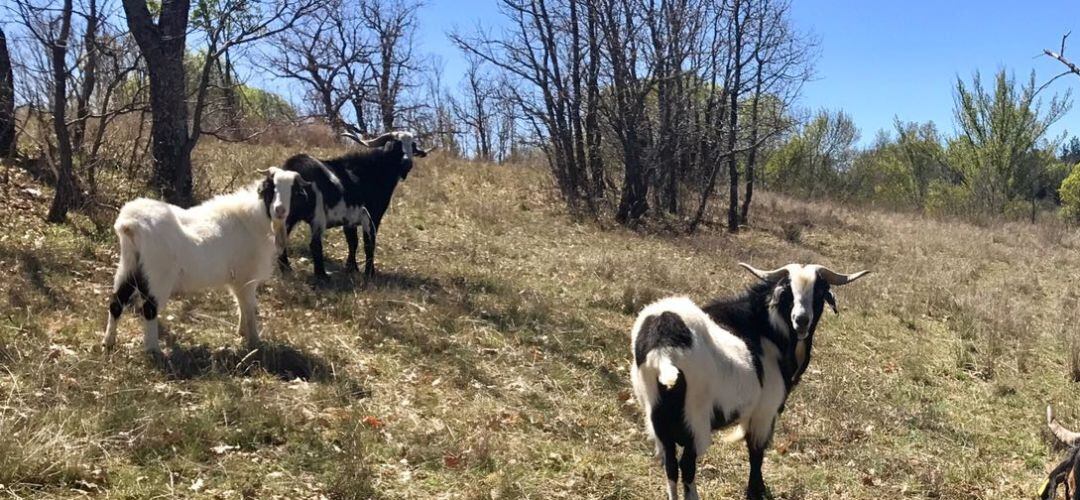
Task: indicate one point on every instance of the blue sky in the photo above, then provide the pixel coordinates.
(877, 59)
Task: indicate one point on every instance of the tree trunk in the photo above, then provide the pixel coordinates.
(7, 101)
(67, 191)
(169, 131)
(162, 45)
(89, 71)
(751, 156)
(733, 129)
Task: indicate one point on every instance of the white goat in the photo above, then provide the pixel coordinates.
(229, 241)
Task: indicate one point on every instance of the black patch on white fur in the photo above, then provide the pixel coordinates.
(666, 329)
(668, 415)
(720, 419)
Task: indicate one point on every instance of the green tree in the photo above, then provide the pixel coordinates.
(999, 133)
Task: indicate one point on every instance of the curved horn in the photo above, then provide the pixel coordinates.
(837, 279)
(353, 136)
(418, 151)
(377, 142)
(1064, 435)
(773, 275)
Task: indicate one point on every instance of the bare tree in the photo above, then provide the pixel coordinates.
(225, 25)
(476, 109)
(782, 60)
(7, 100)
(329, 55)
(393, 24)
(50, 26)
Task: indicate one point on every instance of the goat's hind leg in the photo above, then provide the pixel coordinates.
(150, 309)
(123, 295)
(671, 469)
(688, 466)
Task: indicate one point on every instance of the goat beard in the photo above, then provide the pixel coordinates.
(280, 237)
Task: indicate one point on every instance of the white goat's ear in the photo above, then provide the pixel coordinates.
(831, 300)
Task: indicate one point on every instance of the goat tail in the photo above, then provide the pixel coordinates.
(129, 246)
(669, 373)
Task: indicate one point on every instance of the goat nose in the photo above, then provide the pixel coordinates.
(802, 321)
(279, 212)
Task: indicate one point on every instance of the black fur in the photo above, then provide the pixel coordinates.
(369, 178)
(664, 330)
(124, 295)
(1070, 466)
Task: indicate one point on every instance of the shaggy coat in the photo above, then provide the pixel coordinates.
(351, 191)
(228, 241)
(729, 366)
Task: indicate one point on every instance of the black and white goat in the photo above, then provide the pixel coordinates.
(351, 191)
(1067, 470)
(228, 241)
(728, 365)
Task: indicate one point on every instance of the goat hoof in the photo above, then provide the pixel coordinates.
(352, 268)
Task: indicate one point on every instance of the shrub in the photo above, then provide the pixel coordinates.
(1070, 195)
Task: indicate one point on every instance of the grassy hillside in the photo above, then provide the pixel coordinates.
(490, 358)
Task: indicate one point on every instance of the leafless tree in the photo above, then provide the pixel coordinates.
(541, 51)
(330, 56)
(393, 24)
(162, 38)
(50, 26)
(476, 109)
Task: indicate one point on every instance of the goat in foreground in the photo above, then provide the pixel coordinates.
(351, 191)
(1066, 472)
(230, 240)
(728, 365)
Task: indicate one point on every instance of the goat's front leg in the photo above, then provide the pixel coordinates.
(317, 253)
(353, 240)
(757, 439)
(283, 257)
(247, 305)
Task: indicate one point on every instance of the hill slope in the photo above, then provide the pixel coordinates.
(490, 359)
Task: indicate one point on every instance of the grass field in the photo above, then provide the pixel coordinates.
(489, 359)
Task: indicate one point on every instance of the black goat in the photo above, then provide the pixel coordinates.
(1066, 472)
(728, 365)
(351, 191)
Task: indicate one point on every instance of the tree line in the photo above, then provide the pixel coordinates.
(639, 107)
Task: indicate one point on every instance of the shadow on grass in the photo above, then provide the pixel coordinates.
(281, 360)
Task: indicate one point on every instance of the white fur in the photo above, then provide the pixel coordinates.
(719, 372)
(227, 241)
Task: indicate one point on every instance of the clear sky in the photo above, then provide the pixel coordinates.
(878, 59)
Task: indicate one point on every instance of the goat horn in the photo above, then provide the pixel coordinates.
(379, 141)
(350, 135)
(837, 279)
(1064, 435)
(773, 275)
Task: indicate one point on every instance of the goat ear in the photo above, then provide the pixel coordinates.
(831, 300)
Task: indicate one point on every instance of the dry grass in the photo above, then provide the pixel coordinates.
(490, 359)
